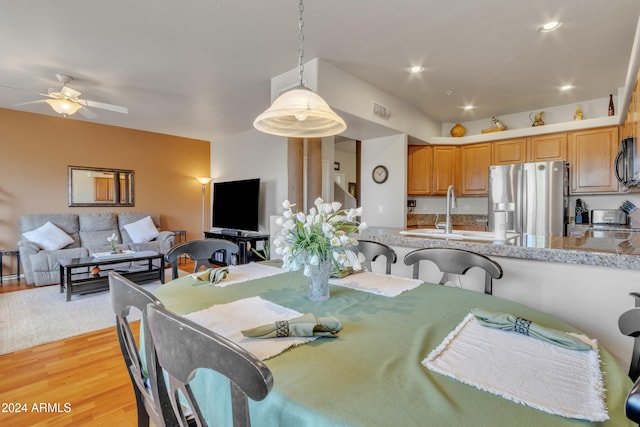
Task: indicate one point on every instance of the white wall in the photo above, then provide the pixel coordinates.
(384, 204)
(253, 154)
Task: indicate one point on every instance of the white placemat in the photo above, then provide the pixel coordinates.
(250, 271)
(230, 319)
(524, 369)
(380, 284)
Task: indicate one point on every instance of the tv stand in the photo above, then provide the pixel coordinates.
(231, 232)
(245, 241)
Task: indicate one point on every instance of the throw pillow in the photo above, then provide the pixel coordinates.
(49, 237)
(143, 230)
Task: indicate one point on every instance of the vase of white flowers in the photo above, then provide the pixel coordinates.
(112, 241)
(318, 242)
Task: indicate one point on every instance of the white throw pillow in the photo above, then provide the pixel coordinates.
(142, 230)
(49, 236)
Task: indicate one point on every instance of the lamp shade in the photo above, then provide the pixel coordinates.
(203, 179)
(300, 113)
(62, 106)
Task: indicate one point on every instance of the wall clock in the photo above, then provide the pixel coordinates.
(380, 174)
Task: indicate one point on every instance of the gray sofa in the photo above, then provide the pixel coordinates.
(89, 233)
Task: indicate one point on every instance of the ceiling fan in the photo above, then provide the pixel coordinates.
(66, 101)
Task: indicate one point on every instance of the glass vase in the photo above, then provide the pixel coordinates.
(318, 285)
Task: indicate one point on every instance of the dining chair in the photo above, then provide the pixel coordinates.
(372, 250)
(629, 324)
(455, 262)
(201, 251)
(152, 398)
(183, 347)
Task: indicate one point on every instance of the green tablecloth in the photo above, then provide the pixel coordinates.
(371, 375)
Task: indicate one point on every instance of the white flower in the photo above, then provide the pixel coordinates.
(301, 217)
(112, 238)
(362, 226)
(336, 206)
(287, 205)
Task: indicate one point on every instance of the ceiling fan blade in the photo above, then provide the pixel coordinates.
(104, 106)
(23, 90)
(70, 93)
(31, 102)
(86, 113)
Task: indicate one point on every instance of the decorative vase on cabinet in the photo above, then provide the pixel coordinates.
(458, 131)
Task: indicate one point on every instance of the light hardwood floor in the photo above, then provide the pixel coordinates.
(77, 381)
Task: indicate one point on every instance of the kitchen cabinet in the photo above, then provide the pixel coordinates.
(420, 170)
(546, 148)
(591, 157)
(445, 168)
(475, 160)
(509, 151)
(539, 148)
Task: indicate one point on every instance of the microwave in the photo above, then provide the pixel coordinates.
(626, 165)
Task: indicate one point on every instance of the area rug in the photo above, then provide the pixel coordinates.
(41, 315)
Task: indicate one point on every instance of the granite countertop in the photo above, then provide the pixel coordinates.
(429, 220)
(613, 248)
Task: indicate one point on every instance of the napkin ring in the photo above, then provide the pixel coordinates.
(522, 326)
(282, 328)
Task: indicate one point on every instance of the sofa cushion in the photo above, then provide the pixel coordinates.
(67, 222)
(142, 230)
(49, 237)
(96, 227)
(125, 218)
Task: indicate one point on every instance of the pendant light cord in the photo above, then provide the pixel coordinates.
(300, 43)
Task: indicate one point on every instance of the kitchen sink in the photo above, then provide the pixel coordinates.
(484, 236)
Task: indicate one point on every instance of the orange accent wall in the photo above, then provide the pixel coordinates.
(36, 149)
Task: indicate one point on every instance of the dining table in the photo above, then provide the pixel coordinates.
(372, 372)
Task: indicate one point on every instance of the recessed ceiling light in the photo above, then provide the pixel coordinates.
(566, 87)
(468, 107)
(550, 26)
(416, 69)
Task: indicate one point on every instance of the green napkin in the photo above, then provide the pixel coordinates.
(307, 325)
(509, 322)
(210, 276)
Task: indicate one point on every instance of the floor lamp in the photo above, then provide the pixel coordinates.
(204, 180)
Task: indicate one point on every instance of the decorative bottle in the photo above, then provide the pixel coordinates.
(611, 109)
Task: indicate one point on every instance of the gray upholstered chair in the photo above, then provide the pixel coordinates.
(372, 250)
(455, 261)
(201, 251)
(152, 398)
(183, 347)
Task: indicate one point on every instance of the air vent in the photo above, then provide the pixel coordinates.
(381, 111)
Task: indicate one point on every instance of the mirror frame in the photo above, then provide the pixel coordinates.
(128, 174)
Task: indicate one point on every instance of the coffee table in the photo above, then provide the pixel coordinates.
(76, 275)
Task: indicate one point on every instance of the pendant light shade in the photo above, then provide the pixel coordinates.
(300, 113)
(62, 106)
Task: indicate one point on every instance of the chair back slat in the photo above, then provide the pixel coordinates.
(152, 398)
(455, 261)
(201, 251)
(183, 346)
(372, 250)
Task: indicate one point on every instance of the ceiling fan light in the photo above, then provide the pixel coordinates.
(300, 113)
(62, 106)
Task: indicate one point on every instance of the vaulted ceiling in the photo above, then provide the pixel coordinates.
(202, 68)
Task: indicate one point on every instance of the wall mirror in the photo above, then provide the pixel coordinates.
(100, 186)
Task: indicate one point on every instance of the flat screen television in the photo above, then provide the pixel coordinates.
(235, 204)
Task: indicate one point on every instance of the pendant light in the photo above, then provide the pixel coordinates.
(300, 112)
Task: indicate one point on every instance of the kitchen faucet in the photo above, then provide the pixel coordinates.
(451, 204)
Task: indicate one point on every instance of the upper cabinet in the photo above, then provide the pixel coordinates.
(419, 173)
(591, 156)
(475, 160)
(546, 148)
(509, 151)
(445, 168)
(539, 148)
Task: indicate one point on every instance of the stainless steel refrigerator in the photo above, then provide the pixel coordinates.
(532, 198)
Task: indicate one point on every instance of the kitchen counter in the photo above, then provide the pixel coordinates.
(613, 248)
